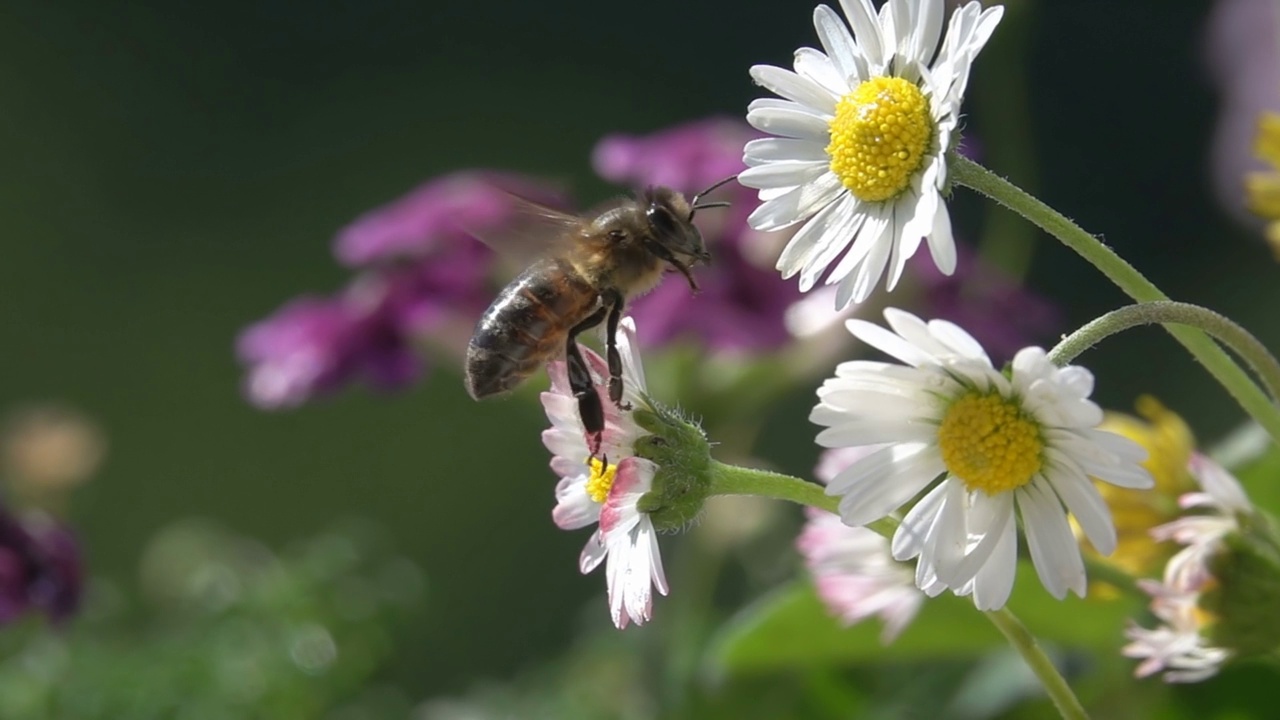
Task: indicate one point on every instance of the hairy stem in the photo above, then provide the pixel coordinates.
(1167, 312)
(1219, 364)
(1024, 642)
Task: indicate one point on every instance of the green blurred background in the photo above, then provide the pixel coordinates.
(176, 170)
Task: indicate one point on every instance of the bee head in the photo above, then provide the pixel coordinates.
(670, 217)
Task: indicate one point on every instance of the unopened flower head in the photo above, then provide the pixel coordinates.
(1022, 444)
(605, 489)
(862, 132)
(852, 568)
(1200, 612)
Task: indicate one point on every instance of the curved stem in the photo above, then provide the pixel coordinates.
(1221, 328)
(969, 174)
(733, 480)
(1025, 643)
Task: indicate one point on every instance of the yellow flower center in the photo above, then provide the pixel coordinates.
(989, 443)
(879, 137)
(601, 479)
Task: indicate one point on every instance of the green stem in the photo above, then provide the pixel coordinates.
(1221, 328)
(969, 174)
(1099, 571)
(1025, 643)
(732, 480)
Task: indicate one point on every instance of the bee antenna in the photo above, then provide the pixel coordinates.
(720, 203)
(695, 207)
(713, 187)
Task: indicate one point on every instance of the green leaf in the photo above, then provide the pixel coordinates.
(1261, 479)
(790, 628)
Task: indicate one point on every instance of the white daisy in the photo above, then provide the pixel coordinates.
(852, 569)
(1022, 445)
(862, 134)
(591, 491)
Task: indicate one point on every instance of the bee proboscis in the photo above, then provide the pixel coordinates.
(599, 263)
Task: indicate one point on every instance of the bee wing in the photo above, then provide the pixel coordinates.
(529, 230)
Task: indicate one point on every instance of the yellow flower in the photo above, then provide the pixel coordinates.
(1169, 444)
(1262, 189)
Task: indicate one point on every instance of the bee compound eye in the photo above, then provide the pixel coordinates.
(662, 220)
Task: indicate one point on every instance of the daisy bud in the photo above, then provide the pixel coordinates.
(1247, 591)
(679, 448)
(1217, 599)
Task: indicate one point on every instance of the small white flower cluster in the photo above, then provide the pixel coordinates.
(1179, 646)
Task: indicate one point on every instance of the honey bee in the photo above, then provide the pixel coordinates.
(599, 263)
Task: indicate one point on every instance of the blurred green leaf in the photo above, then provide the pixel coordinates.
(232, 630)
(1259, 477)
(790, 628)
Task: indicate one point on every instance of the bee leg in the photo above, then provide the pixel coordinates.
(590, 409)
(615, 301)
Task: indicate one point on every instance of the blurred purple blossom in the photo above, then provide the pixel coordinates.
(739, 308)
(40, 568)
(1242, 45)
(999, 312)
(743, 302)
(688, 157)
(315, 345)
(439, 213)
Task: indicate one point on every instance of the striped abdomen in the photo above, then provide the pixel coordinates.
(526, 326)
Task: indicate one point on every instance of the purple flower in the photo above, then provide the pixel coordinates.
(441, 212)
(688, 157)
(316, 345)
(40, 568)
(1000, 313)
(740, 307)
(742, 303)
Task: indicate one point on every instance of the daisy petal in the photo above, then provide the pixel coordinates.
(837, 43)
(791, 122)
(785, 173)
(818, 67)
(796, 204)
(1053, 548)
(994, 581)
(866, 30)
(795, 87)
